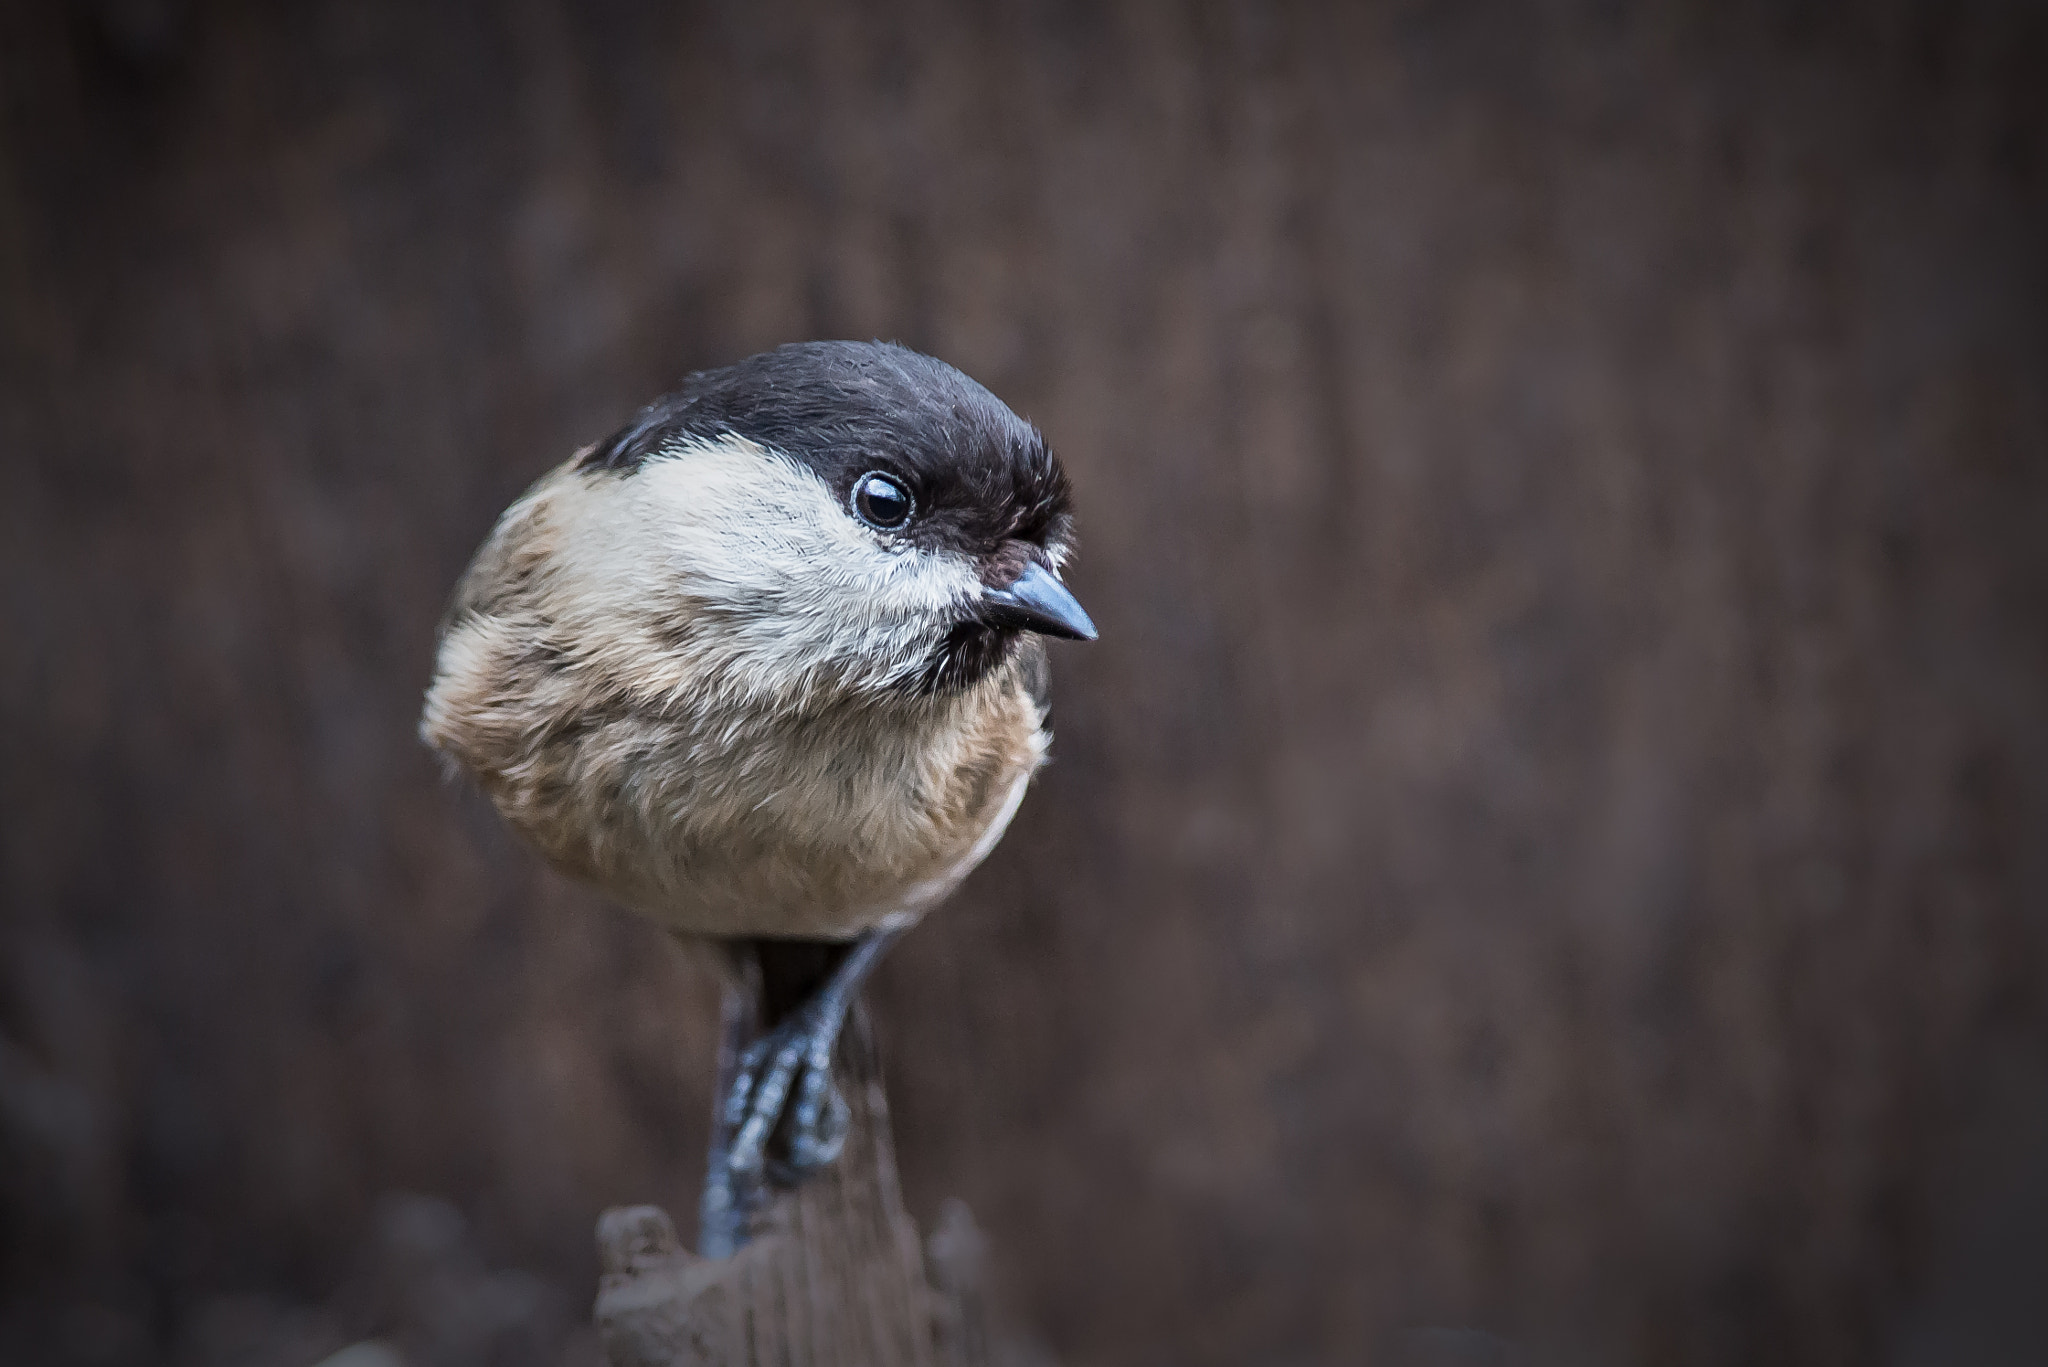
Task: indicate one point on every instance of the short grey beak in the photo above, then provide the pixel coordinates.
(1037, 602)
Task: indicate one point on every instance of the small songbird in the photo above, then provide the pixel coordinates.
(765, 666)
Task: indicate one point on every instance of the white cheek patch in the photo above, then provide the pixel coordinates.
(750, 562)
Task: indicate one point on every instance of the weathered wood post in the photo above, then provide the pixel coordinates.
(834, 1273)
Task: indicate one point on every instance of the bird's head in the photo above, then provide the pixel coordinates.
(836, 516)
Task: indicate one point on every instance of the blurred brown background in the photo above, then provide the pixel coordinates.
(1546, 863)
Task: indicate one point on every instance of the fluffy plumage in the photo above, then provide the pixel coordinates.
(688, 673)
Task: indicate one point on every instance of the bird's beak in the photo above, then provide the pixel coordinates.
(1038, 602)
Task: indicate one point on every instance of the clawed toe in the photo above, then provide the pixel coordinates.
(814, 1129)
(786, 1117)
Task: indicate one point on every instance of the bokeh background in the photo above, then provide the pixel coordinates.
(1547, 863)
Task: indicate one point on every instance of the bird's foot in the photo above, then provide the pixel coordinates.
(786, 1118)
(780, 1117)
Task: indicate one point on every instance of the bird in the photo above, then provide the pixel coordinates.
(767, 666)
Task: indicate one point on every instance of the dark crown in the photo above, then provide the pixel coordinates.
(981, 475)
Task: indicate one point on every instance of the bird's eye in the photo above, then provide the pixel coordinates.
(881, 500)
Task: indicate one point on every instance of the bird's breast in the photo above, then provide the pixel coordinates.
(753, 822)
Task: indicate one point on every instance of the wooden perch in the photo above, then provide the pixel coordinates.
(833, 1275)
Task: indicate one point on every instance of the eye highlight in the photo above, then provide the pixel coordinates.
(881, 501)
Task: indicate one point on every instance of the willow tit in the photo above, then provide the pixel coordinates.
(766, 667)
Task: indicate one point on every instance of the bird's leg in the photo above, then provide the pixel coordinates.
(721, 1212)
(782, 1090)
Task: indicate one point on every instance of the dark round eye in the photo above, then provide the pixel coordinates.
(881, 500)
